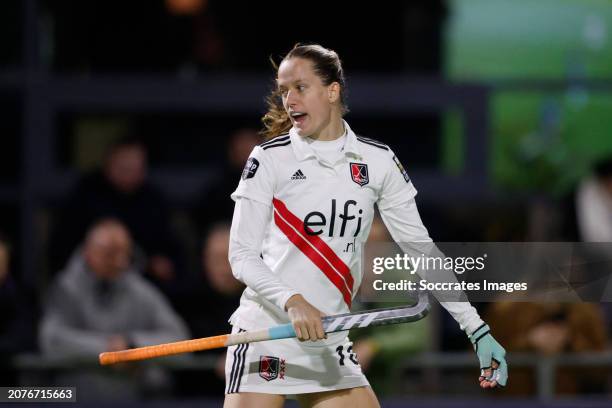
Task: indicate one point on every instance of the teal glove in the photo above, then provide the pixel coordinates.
(492, 357)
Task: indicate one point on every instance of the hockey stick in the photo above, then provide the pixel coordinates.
(331, 324)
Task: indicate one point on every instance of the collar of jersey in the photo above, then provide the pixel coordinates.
(303, 151)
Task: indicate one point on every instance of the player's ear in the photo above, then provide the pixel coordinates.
(333, 92)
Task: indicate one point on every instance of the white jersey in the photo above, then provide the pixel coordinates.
(300, 222)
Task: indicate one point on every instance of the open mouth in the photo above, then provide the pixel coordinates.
(298, 117)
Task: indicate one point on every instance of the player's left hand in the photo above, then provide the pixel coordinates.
(492, 358)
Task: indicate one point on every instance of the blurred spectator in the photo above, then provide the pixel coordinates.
(99, 303)
(594, 214)
(586, 215)
(16, 318)
(583, 214)
(215, 203)
(550, 329)
(380, 350)
(594, 204)
(210, 305)
(121, 190)
(218, 290)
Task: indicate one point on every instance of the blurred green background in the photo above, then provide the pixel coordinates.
(542, 139)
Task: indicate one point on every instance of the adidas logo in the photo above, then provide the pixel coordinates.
(298, 175)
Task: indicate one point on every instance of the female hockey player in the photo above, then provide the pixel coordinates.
(303, 209)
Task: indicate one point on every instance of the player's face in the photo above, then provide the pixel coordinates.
(309, 103)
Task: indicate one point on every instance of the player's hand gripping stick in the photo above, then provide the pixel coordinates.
(331, 324)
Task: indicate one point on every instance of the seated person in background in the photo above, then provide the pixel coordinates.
(209, 306)
(594, 204)
(121, 190)
(588, 218)
(98, 303)
(16, 317)
(550, 329)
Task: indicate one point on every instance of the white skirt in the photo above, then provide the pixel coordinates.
(290, 367)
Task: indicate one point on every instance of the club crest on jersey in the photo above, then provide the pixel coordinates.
(359, 173)
(250, 168)
(271, 368)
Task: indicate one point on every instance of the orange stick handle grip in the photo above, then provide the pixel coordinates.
(166, 349)
(331, 324)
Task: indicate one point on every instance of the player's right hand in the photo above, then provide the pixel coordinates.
(305, 318)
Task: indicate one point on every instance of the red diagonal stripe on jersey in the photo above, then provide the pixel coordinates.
(299, 241)
(315, 240)
(323, 257)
